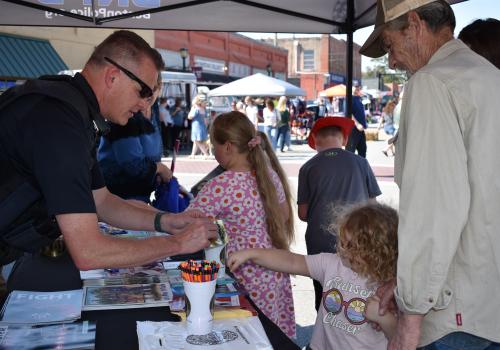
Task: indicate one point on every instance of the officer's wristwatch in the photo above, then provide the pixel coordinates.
(157, 222)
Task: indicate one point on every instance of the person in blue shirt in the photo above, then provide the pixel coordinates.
(178, 114)
(130, 156)
(357, 138)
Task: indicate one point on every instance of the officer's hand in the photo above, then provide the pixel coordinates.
(176, 223)
(196, 236)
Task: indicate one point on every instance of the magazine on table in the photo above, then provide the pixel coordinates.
(23, 307)
(127, 296)
(64, 336)
(153, 269)
(236, 333)
(125, 280)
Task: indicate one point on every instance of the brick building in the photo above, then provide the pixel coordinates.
(221, 57)
(318, 62)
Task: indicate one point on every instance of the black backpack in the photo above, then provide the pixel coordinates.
(25, 225)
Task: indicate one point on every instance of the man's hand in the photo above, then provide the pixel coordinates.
(407, 332)
(386, 323)
(386, 294)
(175, 223)
(372, 308)
(195, 236)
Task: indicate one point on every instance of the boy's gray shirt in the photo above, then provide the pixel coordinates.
(329, 181)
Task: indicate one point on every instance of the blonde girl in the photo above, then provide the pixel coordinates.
(253, 199)
(367, 257)
(199, 134)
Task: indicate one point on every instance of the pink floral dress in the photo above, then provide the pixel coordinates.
(233, 197)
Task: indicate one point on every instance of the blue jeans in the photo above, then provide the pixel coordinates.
(281, 136)
(271, 133)
(461, 341)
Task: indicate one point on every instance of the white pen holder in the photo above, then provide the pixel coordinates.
(217, 254)
(199, 306)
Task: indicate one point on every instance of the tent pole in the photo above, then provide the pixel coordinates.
(349, 58)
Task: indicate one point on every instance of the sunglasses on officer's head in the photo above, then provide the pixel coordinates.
(146, 91)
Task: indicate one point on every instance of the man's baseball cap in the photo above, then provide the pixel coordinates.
(387, 10)
(346, 124)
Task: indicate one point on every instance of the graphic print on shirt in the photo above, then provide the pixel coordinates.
(344, 303)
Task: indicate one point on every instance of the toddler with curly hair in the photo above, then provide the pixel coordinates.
(366, 257)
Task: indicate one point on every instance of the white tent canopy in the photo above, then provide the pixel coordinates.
(257, 85)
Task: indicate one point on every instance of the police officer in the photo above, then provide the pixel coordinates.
(50, 145)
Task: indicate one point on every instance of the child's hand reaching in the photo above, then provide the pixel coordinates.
(237, 258)
(372, 308)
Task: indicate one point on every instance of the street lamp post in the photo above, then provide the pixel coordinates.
(184, 54)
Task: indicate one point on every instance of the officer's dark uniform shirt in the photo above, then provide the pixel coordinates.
(47, 140)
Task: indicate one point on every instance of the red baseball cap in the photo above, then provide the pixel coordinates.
(346, 124)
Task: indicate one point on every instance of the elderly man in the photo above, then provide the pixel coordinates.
(447, 169)
(48, 151)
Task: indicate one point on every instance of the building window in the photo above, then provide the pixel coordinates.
(308, 60)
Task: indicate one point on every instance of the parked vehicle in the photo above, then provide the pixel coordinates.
(179, 84)
(216, 104)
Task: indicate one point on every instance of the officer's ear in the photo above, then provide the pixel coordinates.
(110, 76)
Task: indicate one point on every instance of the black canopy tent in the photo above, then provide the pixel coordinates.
(276, 16)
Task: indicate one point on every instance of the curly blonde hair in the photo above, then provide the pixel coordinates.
(367, 239)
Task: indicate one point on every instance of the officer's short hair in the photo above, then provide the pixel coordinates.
(124, 45)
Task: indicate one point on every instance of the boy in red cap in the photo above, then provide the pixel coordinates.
(330, 180)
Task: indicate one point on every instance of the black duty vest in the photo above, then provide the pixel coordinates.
(25, 225)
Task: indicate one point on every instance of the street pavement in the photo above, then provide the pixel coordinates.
(189, 171)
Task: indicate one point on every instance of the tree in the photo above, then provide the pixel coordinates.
(380, 69)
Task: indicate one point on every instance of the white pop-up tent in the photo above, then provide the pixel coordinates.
(257, 85)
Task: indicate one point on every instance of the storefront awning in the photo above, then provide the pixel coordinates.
(24, 58)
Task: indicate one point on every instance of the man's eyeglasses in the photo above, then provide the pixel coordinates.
(146, 91)
(333, 302)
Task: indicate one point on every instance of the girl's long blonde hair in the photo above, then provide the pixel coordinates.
(282, 104)
(275, 164)
(236, 128)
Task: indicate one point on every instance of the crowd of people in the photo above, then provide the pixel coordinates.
(422, 277)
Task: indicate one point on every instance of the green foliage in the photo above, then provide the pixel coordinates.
(380, 68)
